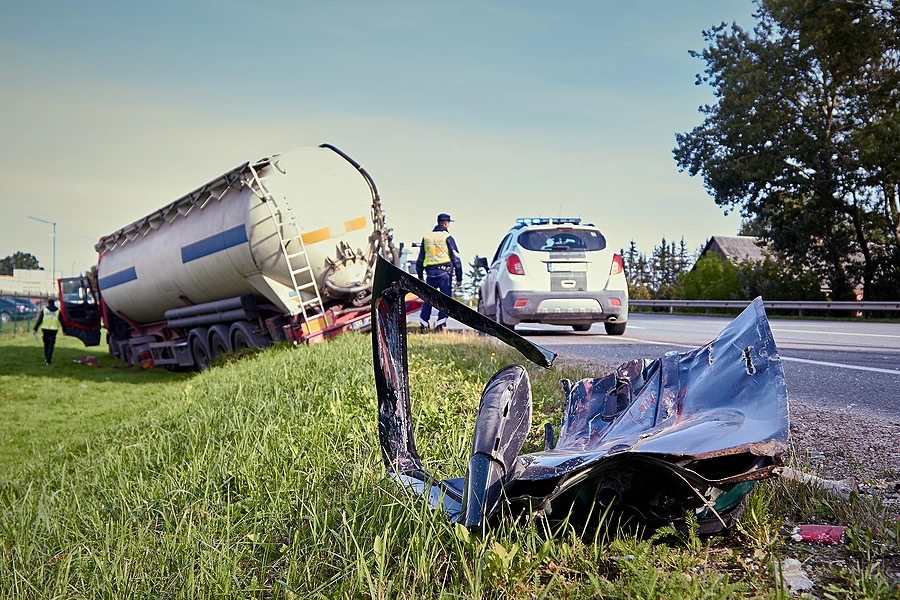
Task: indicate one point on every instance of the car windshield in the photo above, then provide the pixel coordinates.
(562, 239)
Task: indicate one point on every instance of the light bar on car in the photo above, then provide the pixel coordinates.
(547, 220)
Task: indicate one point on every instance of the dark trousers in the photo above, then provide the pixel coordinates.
(441, 280)
(49, 336)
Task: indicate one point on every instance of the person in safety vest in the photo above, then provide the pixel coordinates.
(48, 323)
(438, 259)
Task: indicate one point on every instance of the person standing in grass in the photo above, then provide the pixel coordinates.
(438, 258)
(48, 323)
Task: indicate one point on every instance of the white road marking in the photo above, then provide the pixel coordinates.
(885, 335)
(788, 359)
(840, 365)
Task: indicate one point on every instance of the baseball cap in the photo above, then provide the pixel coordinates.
(444, 217)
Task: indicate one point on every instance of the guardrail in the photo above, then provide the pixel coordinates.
(798, 305)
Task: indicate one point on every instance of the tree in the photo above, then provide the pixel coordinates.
(471, 287)
(712, 278)
(19, 260)
(803, 136)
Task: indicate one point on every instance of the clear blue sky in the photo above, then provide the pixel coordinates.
(486, 110)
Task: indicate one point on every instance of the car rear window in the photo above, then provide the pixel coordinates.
(562, 239)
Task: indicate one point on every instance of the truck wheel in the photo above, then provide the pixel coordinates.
(244, 336)
(200, 353)
(217, 346)
(218, 340)
(615, 328)
(241, 341)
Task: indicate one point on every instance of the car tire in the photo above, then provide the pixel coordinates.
(582, 327)
(498, 312)
(615, 328)
(5, 317)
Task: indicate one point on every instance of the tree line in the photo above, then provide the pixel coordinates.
(804, 137)
(672, 272)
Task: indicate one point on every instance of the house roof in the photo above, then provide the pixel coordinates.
(742, 247)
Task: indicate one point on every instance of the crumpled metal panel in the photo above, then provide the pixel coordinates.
(690, 431)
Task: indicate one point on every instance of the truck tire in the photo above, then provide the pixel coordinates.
(218, 341)
(244, 336)
(200, 352)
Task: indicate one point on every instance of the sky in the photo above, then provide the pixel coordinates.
(487, 110)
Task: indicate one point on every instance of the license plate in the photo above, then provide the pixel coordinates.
(362, 323)
(567, 267)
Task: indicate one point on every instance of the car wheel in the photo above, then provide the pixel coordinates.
(5, 317)
(615, 328)
(582, 327)
(498, 312)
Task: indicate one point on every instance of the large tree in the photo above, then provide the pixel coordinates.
(18, 260)
(803, 136)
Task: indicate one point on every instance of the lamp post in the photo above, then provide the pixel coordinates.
(53, 275)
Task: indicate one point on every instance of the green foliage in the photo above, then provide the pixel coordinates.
(655, 277)
(18, 260)
(712, 279)
(802, 136)
(470, 290)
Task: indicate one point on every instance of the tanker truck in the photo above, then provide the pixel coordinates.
(280, 249)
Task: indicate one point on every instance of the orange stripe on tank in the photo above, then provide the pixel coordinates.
(318, 235)
(354, 224)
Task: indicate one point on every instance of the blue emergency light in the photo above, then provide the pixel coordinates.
(548, 221)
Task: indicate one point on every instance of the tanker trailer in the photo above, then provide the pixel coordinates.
(278, 249)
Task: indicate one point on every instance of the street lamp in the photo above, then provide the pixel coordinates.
(53, 276)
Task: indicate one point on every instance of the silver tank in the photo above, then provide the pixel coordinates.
(310, 211)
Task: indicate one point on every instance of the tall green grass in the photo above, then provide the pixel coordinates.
(263, 478)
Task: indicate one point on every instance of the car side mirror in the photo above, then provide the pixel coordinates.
(481, 263)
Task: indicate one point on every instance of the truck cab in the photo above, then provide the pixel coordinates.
(79, 306)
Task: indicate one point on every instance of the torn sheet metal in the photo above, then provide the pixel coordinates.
(690, 431)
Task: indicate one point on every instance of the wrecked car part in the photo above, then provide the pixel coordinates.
(690, 431)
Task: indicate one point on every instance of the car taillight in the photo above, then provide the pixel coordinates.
(616, 267)
(514, 265)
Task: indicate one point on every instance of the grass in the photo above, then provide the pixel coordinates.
(263, 478)
(44, 408)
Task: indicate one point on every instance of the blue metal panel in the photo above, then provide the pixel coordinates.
(118, 278)
(214, 243)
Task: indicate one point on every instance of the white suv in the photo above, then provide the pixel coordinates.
(555, 271)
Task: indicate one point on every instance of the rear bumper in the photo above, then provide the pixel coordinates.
(563, 308)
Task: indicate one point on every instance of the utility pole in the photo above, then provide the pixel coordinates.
(53, 275)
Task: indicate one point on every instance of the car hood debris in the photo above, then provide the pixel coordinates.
(686, 434)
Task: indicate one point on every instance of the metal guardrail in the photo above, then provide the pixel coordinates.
(800, 305)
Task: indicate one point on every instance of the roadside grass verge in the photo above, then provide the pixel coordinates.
(263, 478)
(50, 407)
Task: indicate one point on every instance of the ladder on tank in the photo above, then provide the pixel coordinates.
(297, 262)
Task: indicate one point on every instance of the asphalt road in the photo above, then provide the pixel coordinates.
(827, 362)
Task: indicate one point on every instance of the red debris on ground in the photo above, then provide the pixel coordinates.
(822, 534)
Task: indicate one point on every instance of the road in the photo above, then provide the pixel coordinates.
(826, 362)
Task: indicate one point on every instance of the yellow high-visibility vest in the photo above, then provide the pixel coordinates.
(50, 320)
(437, 250)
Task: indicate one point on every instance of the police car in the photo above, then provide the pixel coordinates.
(556, 271)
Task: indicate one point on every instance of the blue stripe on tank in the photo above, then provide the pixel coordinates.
(117, 278)
(214, 243)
